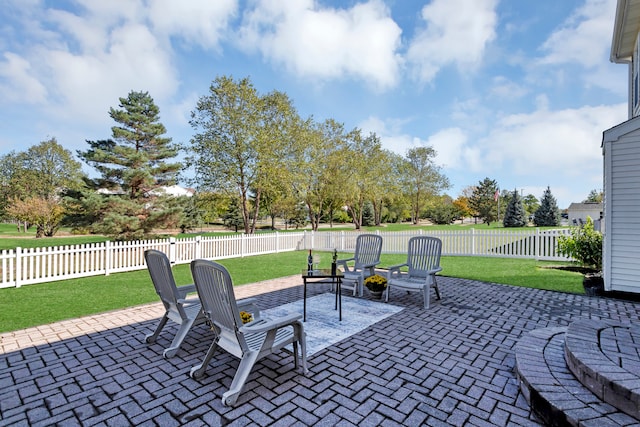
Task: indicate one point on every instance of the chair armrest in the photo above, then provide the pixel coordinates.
(395, 269)
(371, 264)
(186, 289)
(250, 306)
(435, 270)
(271, 324)
(188, 301)
(343, 263)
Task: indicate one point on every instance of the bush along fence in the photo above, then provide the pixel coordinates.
(39, 265)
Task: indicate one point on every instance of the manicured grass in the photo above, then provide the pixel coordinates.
(39, 304)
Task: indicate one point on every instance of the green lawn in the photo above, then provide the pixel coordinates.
(39, 304)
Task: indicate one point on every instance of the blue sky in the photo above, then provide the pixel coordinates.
(517, 91)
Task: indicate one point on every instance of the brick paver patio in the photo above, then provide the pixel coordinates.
(450, 365)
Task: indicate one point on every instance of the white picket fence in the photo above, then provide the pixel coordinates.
(24, 266)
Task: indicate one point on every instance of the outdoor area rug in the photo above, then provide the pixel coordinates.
(323, 327)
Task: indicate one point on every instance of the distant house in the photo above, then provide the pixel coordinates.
(174, 190)
(171, 190)
(578, 212)
(621, 154)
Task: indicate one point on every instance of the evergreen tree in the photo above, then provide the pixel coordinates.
(233, 217)
(133, 165)
(515, 215)
(483, 200)
(367, 215)
(548, 214)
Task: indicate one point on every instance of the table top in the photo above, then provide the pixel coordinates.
(322, 273)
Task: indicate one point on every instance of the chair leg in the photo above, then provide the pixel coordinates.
(185, 326)
(302, 340)
(230, 397)
(426, 292)
(435, 285)
(152, 338)
(295, 354)
(198, 370)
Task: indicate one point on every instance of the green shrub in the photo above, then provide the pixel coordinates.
(584, 245)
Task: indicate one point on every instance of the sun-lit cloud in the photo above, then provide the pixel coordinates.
(564, 143)
(584, 38)
(24, 87)
(583, 42)
(199, 22)
(326, 43)
(456, 32)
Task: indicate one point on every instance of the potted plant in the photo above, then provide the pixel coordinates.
(585, 246)
(376, 284)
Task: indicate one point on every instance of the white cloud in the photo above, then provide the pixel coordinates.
(450, 145)
(201, 22)
(324, 43)
(564, 143)
(22, 85)
(585, 37)
(584, 42)
(505, 88)
(456, 33)
(88, 84)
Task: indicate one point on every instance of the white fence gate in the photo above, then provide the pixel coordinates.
(39, 265)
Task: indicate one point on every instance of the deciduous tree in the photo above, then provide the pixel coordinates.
(45, 214)
(45, 171)
(423, 179)
(242, 141)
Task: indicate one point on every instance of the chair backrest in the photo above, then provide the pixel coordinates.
(219, 305)
(159, 268)
(423, 255)
(368, 248)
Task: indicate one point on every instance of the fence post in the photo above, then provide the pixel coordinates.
(277, 242)
(243, 245)
(107, 257)
(473, 241)
(197, 252)
(172, 250)
(18, 267)
(538, 244)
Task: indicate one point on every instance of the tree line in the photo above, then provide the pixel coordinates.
(251, 155)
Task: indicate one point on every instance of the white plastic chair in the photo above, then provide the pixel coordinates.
(185, 312)
(423, 262)
(249, 342)
(365, 259)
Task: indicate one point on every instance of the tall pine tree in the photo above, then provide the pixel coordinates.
(515, 215)
(133, 164)
(483, 200)
(548, 214)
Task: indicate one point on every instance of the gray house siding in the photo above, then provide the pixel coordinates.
(621, 255)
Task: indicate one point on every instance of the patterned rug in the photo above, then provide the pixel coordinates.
(323, 327)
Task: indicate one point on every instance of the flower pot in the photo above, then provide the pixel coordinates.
(376, 294)
(593, 284)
